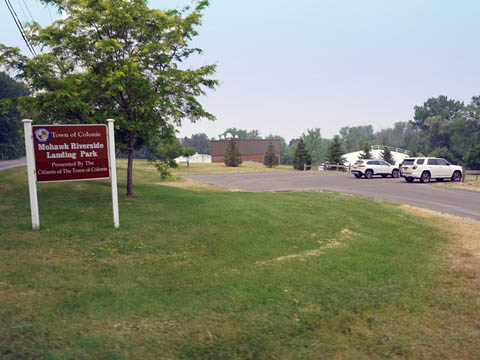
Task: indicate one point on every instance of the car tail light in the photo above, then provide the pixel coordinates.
(414, 167)
(360, 165)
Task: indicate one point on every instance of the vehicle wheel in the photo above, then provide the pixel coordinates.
(425, 178)
(368, 174)
(358, 176)
(395, 173)
(439, 179)
(457, 176)
(409, 179)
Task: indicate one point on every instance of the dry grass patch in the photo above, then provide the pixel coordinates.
(192, 185)
(471, 183)
(217, 168)
(344, 235)
(466, 232)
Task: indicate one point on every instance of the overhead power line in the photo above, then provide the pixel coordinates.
(28, 10)
(20, 27)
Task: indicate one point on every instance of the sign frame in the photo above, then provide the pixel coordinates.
(32, 169)
(74, 125)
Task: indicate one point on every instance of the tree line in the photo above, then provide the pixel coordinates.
(441, 127)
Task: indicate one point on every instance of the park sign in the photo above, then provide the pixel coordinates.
(69, 153)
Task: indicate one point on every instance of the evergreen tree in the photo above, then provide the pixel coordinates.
(233, 157)
(335, 152)
(301, 157)
(270, 159)
(386, 155)
(366, 154)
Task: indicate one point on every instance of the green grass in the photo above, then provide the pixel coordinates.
(197, 275)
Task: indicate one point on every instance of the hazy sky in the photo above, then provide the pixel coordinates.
(285, 66)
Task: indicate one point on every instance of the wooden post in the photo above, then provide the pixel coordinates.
(463, 174)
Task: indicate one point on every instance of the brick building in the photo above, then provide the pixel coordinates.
(251, 150)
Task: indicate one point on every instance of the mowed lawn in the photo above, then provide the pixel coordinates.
(225, 275)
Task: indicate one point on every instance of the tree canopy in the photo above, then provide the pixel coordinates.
(200, 142)
(315, 144)
(114, 59)
(241, 133)
(11, 139)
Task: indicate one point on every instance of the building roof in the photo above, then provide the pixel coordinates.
(246, 147)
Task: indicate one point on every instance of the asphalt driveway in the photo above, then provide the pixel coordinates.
(458, 202)
(8, 164)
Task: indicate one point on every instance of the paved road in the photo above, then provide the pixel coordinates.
(7, 164)
(453, 201)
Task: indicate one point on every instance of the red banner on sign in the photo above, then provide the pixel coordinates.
(70, 152)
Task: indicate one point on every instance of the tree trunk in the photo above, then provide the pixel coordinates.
(131, 143)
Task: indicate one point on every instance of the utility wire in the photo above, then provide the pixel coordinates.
(50, 13)
(20, 27)
(23, 11)
(31, 17)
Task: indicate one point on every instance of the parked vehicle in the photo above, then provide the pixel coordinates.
(371, 167)
(428, 168)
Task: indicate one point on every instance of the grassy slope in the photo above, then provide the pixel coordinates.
(194, 275)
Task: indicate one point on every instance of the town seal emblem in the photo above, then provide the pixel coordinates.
(42, 135)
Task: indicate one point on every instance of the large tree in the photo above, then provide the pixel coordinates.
(441, 106)
(315, 144)
(353, 137)
(114, 59)
(11, 139)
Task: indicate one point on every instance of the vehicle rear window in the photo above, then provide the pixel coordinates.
(408, 162)
(359, 162)
(372, 162)
(420, 161)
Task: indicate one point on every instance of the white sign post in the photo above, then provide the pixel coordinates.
(113, 172)
(32, 173)
(70, 153)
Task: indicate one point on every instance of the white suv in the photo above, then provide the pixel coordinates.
(426, 169)
(370, 167)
